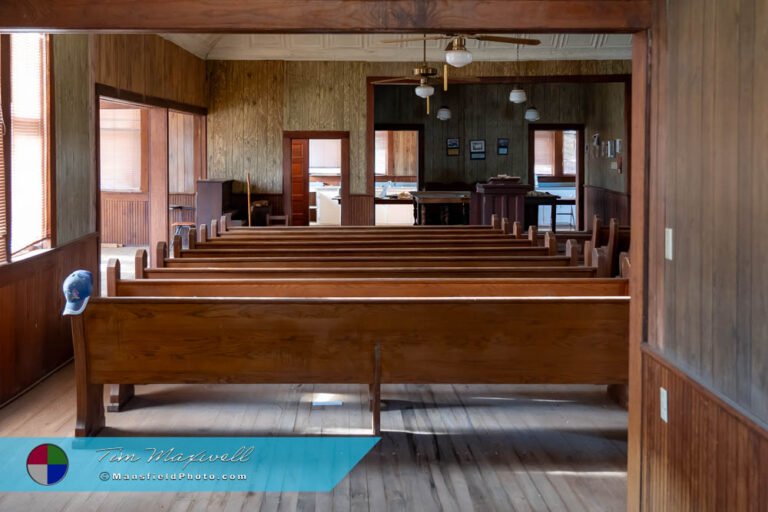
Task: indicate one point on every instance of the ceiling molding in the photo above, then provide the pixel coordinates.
(369, 47)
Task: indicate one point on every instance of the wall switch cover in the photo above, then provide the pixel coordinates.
(668, 244)
(663, 405)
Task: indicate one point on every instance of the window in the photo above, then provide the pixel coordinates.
(120, 147)
(324, 157)
(396, 153)
(27, 173)
(556, 152)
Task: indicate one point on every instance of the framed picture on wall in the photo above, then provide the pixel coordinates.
(502, 146)
(453, 147)
(477, 155)
(477, 146)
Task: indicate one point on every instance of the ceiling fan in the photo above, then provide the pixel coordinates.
(424, 75)
(456, 53)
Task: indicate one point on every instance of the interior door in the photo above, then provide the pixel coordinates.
(300, 182)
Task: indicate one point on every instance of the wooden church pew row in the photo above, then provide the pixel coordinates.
(306, 243)
(245, 249)
(485, 340)
(360, 287)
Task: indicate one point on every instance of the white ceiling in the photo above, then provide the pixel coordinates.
(369, 47)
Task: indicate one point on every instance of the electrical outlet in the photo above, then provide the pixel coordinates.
(663, 406)
(668, 244)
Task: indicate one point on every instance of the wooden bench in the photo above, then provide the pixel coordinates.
(480, 340)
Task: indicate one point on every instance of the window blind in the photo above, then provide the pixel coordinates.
(120, 149)
(29, 141)
(544, 151)
(3, 215)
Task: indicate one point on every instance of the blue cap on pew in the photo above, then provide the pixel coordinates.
(77, 290)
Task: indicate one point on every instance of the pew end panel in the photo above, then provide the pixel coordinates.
(161, 254)
(572, 251)
(517, 230)
(202, 234)
(140, 264)
(113, 276)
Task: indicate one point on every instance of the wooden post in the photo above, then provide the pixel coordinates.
(140, 263)
(601, 262)
(161, 253)
(119, 394)
(192, 237)
(505, 227)
(517, 229)
(376, 391)
(202, 234)
(177, 246)
(89, 397)
(495, 222)
(113, 274)
(214, 229)
(587, 253)
(533, 235)
(572, 251)
(550, 242)
(248, 196)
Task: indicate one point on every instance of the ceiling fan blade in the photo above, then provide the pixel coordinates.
(397, 81)
(410, 39)
(505, 39)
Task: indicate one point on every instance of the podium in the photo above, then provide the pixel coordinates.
(504, 197)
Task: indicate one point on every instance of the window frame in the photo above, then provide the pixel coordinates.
(49, 218)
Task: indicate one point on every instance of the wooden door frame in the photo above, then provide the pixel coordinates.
(580, 170)
(288, 136)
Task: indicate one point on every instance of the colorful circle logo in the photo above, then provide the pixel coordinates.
(47, 464)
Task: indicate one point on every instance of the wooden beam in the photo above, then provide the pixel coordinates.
(324, 15)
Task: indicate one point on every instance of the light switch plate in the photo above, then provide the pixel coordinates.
(663, 406)
(668, 244)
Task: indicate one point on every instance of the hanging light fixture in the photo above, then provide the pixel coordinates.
(444, 113)
(458, 56)
(518, 95)
(531, 114)
(424, 90)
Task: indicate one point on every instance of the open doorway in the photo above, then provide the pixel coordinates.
(398, 170)
(556, 166)
(315, 177)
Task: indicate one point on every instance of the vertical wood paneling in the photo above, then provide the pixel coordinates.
(709, 155)
(149, 65)
(312, 96)
(34, 337)
(124, 219)
(75, 212)
(606, 204)
(707, 457)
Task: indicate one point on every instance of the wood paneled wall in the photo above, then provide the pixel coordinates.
(707, 305)
(34, 337)
(707, 457)
(314, 96)
(124, 219)
(710, 157)
(73, 104)
(149, 65)
(607, 204)
(605, 107)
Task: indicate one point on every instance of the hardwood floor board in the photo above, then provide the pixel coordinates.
(444, 447)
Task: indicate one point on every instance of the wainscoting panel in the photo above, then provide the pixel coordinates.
(124, 219)
(708, 456)
(359, 211)
(34, 338)
(607, 204)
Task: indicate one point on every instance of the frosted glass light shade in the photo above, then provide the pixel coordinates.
(444, 113)
(532, 114)
(424, 90)
(458, 58)
(517, 96)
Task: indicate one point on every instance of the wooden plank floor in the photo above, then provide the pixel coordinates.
(456, 448)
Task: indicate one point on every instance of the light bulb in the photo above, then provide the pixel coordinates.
(532, 114)
(424, 90)
(517, 95)
(444, 113)
(458, 58)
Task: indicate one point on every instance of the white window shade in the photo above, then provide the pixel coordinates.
(120, 149)
(544, 153)
(29, 141)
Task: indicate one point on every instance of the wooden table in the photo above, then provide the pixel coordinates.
(532, 204)
(423, 201)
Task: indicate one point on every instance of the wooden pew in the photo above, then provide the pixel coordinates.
(360, 287)
(480, 340)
